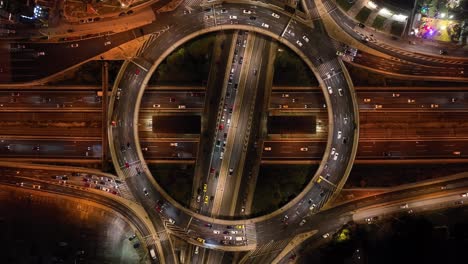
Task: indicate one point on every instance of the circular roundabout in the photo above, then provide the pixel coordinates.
(319, 54)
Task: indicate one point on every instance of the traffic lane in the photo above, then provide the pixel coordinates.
(37, 64)
(295, 149)
(403, 67)
(413, 100)
(57, 148)
(241, 126)
(413, 149)
(172, 150)
(305, 100)
(175, 99)
(49, 99)
(382, 124)
(368, 100)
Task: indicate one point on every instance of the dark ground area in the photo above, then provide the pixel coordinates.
(430, 238)
(38, 229)
(175, 179)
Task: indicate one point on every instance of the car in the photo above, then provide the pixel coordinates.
(245, 11)
(442, 52)
(464, 195)
(330, 91)
(216, 232)
(404, 206)
(367, 100)
(267, 148)
(227, 237)
(107, 43)
(456, 153)
(198, 198)
(305, 38)
(221, 127)
(333, 150)
(36, 148)
(304, 149)
(339, 134)
(205, 187)
(223, 11)
(252, 18)
(196, 250)
(208, 17)
(175, 144)
(206, 199)
(339, 53)
(325, 235)
(434, 106)
(74, 45)
(172, 221)
(240, 226)
(221, 155)
(335, 157)
(171, 99)
(410, 101)
(232, 17)
(275, 15)
(145, 192)
(302, 222)
(201, 240)
(231, 170)
(361, 25)
(41, 53)
(312, 207)
(265, 25)
(340, 92)
(181, 106)
(299, 43)
(234, 232)
(285, 95)
(240, 238)
(395, 95)
(378, 106)
(137, 72)
(345, 140)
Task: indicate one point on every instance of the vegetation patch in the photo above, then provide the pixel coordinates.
(363, 14)
(379, 22)
(175, 179)
(345, 4)
(290, 70)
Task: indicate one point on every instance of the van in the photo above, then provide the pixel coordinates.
(153, 254)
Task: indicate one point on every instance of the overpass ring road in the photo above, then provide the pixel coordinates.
(318, 53)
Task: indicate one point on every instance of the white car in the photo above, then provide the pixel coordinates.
(265, 25)
(312, 207)
(305, 38)
(339, 134)
(340, 92)
(335, 157)
(216, 232)
(172, 221)
(181, 106)
(41, 53)
(299, 43)
(330, 91)
(156, 105)
(333, 150)
(107, 43)
(248, 12)
(275, 15)
(227, 237)
(464, 195)
(232, 17)
(325, 235)
(74, 45)
(285, 95)
(302, 222)
(174, 144)
(267, 148)
(304, 149)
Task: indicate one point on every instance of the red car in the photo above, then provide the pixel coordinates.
(137, 72)
(221, 127)
(127, 165)
(212, 170)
